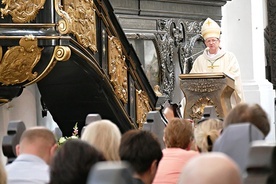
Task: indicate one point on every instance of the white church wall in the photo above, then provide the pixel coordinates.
(243, 34)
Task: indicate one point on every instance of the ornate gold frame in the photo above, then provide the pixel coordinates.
(22, 11)
(79, 18)
(142, 107)
(117, 68)
(18, 62)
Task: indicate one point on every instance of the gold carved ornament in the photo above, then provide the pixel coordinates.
(18, 62)
(142, 107)
(198, 107)
(79, 18)
(22, 11)
(117, 68)
(61, 53)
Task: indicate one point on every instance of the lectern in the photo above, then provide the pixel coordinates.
(206, 89)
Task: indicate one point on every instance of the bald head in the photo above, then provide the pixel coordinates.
(211, 168)
(38, 141)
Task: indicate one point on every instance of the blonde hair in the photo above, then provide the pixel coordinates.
(206, 134)
(3, 174)
(105, 136)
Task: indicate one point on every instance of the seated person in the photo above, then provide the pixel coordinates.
(105, 136)
(73, 161)
(142, 151)
(206, 133)
(210, 168)
(36, 148)
(244, 113)
(178, 137)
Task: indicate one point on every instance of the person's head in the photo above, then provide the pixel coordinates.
(210, 32)
(210, 168)
(245, 113)
(73, 161)
(206, 133)
(3, 174)
(38, 141)
(105, 136)
(178, 133)
(142, 150)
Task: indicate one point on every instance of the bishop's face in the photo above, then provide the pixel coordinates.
(213, 44)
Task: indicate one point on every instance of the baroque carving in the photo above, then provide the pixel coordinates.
(186, 50)
(166, 43)
(180, 35)
(173, 35)
(22, 11)
(193, 27)
(117, 68)
(142, 107)
(18, 62)
(79, 18)
(61, 53)
(198, 107)
(204, 86)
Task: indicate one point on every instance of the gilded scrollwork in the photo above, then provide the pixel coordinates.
(22, 11)
(18, 62)
(79, 18)
(198, 107)
(142, 107)
(117, 68)
(60, 54)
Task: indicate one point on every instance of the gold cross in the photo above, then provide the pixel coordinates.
(209, 22)
(213, 66)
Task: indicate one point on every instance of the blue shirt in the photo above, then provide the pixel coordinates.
(28, 169)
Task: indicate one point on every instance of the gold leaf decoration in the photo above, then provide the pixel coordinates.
(18, 62)
(79, 18)
(117, 68)
(22, 11)
(142, 107)
(61, 54)
(198, 107)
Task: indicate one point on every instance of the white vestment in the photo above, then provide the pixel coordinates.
(225, 62)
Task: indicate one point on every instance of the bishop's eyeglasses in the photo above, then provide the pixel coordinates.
(210, 41)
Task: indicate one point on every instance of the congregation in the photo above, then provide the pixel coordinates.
(194, 153)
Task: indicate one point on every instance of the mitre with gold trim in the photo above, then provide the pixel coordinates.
(210, 29)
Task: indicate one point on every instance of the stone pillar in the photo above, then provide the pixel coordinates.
(243, 34)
